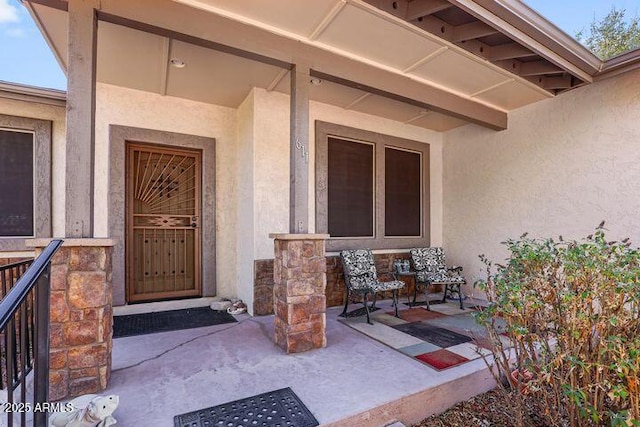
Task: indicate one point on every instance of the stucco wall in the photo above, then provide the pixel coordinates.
(272, 161)
(271, 169)
(57, 115)
(252, 175)
(246, 172)
(563, 165)
(127, 107)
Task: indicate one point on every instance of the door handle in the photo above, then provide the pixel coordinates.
(194, 225)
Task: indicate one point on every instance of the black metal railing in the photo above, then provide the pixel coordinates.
(24, 337)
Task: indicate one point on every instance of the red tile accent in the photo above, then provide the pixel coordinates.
(441, 359)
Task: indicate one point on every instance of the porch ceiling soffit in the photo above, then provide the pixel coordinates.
(351, 38)
(53, 21)
(507, 34)
(397, 80)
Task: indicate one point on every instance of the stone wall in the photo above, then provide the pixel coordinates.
(299, 292)
(81, 317)
(334, 292)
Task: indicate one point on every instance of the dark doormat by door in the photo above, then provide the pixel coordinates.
(275, 408)
(164, 321)
(441, 337)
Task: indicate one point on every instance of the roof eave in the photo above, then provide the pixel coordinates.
(619, 64)
(36, 94)
(535, 32)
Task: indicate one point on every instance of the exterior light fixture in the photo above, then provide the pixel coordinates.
(177, 62)
(315, 81)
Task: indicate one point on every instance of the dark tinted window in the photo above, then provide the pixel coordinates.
(350, 188)
(16, 183)
(403, 199)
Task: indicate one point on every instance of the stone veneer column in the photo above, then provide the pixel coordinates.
(299, 291)
(81, 316)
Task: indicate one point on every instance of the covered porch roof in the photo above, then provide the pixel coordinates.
(438, 64)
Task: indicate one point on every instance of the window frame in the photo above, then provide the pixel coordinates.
(323, 131)
(42, 134)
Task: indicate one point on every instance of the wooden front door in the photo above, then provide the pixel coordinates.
(163, 223)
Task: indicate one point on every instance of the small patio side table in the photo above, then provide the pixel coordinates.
(408, 274)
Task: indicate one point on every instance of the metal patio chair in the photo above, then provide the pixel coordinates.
(360, 277)
(431, 269)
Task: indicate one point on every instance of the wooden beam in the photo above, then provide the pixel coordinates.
(397, 8)
(511, 65)
(524, 26)
(472, 30)
(561, 82)
(476, 47)
(509, 51)
(299, 151)
(500, 118)
(419, 8)
(81, 101)
(174, 35)
(435, 26)
(537, 68)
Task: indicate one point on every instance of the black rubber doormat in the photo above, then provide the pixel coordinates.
(280, 408)
(164, 321)
(441, 337)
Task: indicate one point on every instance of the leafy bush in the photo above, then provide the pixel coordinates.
(571, 311)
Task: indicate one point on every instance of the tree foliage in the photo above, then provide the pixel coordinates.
(612, 35)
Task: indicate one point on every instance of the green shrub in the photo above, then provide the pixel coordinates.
(572, 314)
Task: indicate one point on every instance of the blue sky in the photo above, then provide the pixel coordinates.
(575, 15)
(25, 57)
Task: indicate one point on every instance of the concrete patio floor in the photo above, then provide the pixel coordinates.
(354, 381)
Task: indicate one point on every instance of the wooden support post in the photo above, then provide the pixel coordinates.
(299, 151)
(80, 145)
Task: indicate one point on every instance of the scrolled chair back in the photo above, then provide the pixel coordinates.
(359, 268)
(429, 260)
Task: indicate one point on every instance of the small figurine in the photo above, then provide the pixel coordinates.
(397, 265)
(90, 410)
(405, 266)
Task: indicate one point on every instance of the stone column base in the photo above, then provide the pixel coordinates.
(299, 291)
(81, 316)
